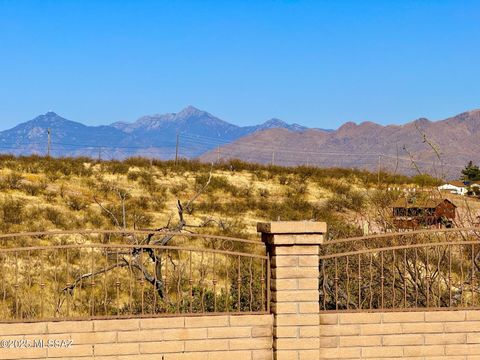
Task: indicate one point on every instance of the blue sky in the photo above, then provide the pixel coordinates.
(318, 63)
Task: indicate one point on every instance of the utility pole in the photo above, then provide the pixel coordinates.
(378, 166)
(218, 153)
(273, 158)
(99, 153)
(176, 152)
(49, 142)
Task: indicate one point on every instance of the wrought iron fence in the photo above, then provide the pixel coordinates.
(89, 276)
(436, 269)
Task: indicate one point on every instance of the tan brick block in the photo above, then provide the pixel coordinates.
(328, 319)
(462, 349)
(284, 308)
(69, 326)
(382, 352)
(28, 353)
(330, 341)
(309, 354)
(403, 317)
(308, 307)
(262, 354)
(286, 331)
(206, 345)
(472, 326)
(472, 315)
(245, 320)
(286, 355)
(282, 261)
(163, 322)
(206, 321)
(339, 330)
(111, 325)
(444, 339)
(296, 344)
(180, 356)
(302, 319)
(295, 295)
(295, 273)
(340, 353)
(229, 332)
(162, 347)
(424, 350)
(140, 335)
(383, 329)
(284, 284)
(427, 328)
(73, 351)
(251, 344)
(222, 355)
(306, 260)
(309, 331)
(296, 250)
(261, 331)
(116, 349)
(23, 328)
(445, 316)
(308, 284)
(93, 337)
(184, 334)
(359, 318)
(372, 340)
(472, 338)
(405, 339)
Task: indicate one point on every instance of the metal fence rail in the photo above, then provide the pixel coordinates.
(411, 271)
(198, 274)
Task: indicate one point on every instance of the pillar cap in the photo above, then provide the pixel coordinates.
(292, 227)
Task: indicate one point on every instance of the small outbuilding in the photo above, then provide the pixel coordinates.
(455, 187)
(412, 213)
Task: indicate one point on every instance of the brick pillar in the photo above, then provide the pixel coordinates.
(294, 250)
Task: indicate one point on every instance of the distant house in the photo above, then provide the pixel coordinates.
(455, 187)
(413, 214)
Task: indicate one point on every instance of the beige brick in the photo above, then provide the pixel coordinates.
(405, 339)
(306, 260)
(93, 337)
(424, 350)
(116, 349)
(309, 331)
(282, 261)
(373, 340)
(69, 326)
(109, 325)
(284, 308)
(339, 330)
(250, 344)
(74, 350)
(296, 344)
(339, 353)
(206, 345)
(403, 317)
(295, 295)
(296, 250)
(23, 328)
(262, 354)
(184, 334)
(472, 315)
(222, 355)
(286, 355)
(286, 331)
(330, 341)
(294, 273)
(302, 319)
(229, 332)
(359, 318)
(462, 349)
(206, 321)
(438, 316)
(28, 353)
(162, 347)
(444, 339)
(308, 307)
(328, 319)
(260, 331)
(471, 326)
(384, 329)
(140, 335)
(382, 351)
(415, 328)
(284, 284)
(163, 322)
(245, 320)
(473, 338)
(308, 284)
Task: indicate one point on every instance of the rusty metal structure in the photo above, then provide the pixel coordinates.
(407, 271)
(66, 275)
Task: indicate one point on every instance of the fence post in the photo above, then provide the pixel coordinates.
(293, 247)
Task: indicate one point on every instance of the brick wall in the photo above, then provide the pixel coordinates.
(240, 337)
(413, 335)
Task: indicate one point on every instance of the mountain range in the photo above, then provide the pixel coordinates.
(436, 147)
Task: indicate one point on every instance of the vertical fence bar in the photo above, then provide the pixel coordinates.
(16, 285)
(449, 276)
(347, 270)
(214, 283)
(472, 287)
(190, 280)
(359, 282)
(404, 278)
(416, 277)
(324, 288)
(371, 281)
(239, 284)
(382, 279)
(250, 285)
(336, 283)
(117, 280)
(67, 281)
(42, 286)
(393, 279)
(92, 283)
(427, 276)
